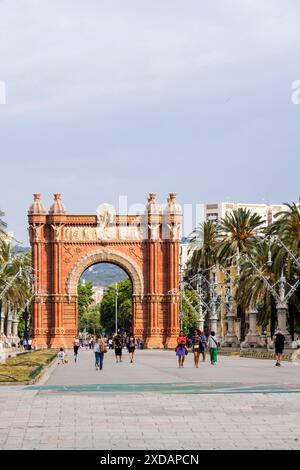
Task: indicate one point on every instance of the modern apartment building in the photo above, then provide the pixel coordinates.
(216, 211)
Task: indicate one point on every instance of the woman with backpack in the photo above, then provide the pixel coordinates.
(99, 350)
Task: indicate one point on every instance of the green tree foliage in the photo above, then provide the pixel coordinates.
(85, 298)
(238, 233)
(107, 306)
(203, 242)
(190, 307)
(3, 224)
(15, 278)
(90, 320)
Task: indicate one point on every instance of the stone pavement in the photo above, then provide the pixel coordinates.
(62, 413)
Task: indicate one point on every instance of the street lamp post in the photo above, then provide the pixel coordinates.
(116, 307)
(181, 289)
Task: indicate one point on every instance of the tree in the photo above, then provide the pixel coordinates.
(3, 225)
(252, 290)
(85, 298)
(107, 306)
(287, 228)
(239, 234)
(15, 281)
(190, 307)
(90, 320)
(202, 247)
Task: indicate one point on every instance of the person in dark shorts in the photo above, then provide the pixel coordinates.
(118, 344)
(279, 340)
(131, 346)
(196, 343)
(76, 345)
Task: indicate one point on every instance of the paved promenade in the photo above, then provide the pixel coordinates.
(152, 404)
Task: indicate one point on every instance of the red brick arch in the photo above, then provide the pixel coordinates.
(146, 247)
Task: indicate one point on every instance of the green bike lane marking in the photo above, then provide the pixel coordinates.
(173, 388)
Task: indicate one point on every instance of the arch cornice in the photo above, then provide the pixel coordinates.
(105, 256)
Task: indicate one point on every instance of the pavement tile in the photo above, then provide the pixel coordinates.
(146, 420)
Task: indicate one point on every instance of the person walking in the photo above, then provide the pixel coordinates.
(196, 345)
(131, 346)
(279, 340)
(213, 348)
(76, 345)
(203, 345)
(181, 348)
(61, 356)
(118, 345)
(99, 350)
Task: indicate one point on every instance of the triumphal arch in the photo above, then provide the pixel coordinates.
(145, 245)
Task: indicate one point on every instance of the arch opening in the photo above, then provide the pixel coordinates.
(104, 302)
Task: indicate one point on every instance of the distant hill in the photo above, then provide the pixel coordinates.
(22, 249)
(103, 274)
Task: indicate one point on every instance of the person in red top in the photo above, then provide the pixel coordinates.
(181, 348)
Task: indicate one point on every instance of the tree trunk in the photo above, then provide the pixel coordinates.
(242, 317)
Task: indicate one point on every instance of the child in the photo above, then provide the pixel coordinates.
(61, 356)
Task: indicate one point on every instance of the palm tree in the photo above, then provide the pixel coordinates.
(202, 249)
(287, 228)
(252, 290)
(203, 243)
(239, 234)
(3, 225)
(15, 280)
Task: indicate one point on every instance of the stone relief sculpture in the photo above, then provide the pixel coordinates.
(154, 231)
(106, 228)
(56, 230)
(174, 231)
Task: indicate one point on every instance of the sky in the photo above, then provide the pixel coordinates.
(125, 97)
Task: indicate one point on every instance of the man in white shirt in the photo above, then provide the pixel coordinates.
(213, 348)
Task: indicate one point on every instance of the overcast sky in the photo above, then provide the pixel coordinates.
(132, 96)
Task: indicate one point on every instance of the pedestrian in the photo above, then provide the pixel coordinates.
(29, 344)
(203, 345)
(196, 344)
(25, 343)
(110, 343)
(279, 340)
(118, 344)
(21, 344)
(76, 345)
(131, 346)
(99, 350)
(213, 348)
(180, 349)
(61, 356)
